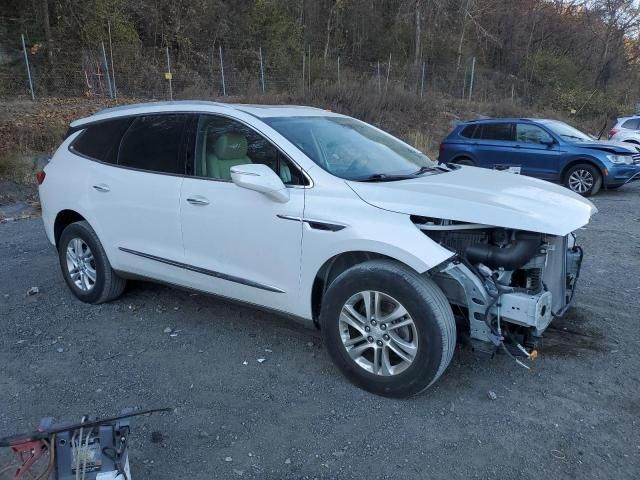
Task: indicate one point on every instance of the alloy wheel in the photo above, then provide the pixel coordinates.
(81, 265)
(378, 333)
(581, 180)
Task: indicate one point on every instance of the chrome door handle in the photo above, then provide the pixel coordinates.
(198, 201)
(101, 187)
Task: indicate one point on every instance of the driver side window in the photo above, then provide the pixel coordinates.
(526, 133)
(222, 143)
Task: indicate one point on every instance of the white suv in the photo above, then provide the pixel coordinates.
(318, 216)
(626, 129)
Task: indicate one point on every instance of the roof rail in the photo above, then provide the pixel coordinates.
(159, 104)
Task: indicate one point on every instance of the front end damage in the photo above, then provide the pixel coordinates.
(505, 285)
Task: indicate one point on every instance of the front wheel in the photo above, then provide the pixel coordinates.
(584, 179)
(85, 265)
(388, 329)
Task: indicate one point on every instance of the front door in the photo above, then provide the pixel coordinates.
(240, 243)
(539, 154)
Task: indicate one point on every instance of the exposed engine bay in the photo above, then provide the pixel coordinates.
(507, 284)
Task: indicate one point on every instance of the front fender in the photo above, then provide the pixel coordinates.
(375, 231)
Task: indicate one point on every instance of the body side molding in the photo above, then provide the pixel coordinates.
(204, 271)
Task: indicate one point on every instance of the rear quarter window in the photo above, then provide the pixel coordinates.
(100, 141)
(632, 124)
(469, 131)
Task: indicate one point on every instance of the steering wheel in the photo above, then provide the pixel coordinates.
(345, 158)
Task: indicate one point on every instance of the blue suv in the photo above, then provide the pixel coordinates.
(545, 149)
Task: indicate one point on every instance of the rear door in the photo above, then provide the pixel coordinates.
(135, 197)
(495, 145)
(540, 156)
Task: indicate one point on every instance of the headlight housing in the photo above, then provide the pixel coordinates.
(621, 159)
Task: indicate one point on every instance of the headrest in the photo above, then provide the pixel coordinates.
(231, 146)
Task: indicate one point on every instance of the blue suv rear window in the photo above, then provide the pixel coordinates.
(469, 131)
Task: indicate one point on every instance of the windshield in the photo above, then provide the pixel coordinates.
(351, 149)
(567, 132)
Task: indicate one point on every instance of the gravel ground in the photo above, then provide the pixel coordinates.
(576, 415)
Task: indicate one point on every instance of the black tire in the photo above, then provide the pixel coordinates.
(108, 285)
(614, 187)
(586, 171)
(464, 161)
(424, 302)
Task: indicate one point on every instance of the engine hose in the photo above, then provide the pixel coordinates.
(510, 258)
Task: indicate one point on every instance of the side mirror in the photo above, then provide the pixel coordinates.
(260, 178)
(549, 143)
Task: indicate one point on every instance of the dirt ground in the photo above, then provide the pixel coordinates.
(575, 415)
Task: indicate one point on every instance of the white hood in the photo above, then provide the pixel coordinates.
(488, 197)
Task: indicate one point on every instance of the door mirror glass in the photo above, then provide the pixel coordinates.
(260, 178)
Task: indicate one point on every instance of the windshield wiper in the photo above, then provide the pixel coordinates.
(431, 168)
(387, 177)
(382, 177)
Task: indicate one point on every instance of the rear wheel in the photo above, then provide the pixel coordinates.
(388, 329)
(85, 265)
(464, 161)
(584, 179)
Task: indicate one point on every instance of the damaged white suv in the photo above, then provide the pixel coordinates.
(319, 216)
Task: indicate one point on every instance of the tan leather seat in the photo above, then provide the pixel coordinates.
(229, 150)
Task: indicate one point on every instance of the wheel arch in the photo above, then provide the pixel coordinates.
(336, 265)
(464, 156)
(64, 218)
(576, 161)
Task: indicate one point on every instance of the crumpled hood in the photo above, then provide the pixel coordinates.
(477, 195)
(608, 146)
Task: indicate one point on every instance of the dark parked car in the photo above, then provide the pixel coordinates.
(545, 149)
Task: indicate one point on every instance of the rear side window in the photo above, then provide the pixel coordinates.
(100, 141)
(632, 124)
(498, 131)
(469, 131)
(154, 142)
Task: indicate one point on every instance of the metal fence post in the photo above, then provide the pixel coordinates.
(224, 87)
(304, 57)
(169, 76)
(106, 70)
(379, 88)
(309, 69)
(113, 72)
(26, 62)
(473, 70)
(464, 80)
(422, 82)
(338, 71)
(386, 85)
(261, 70)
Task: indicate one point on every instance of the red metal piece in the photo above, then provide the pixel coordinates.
(28, 453)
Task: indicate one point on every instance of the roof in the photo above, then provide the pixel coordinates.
(261, 111)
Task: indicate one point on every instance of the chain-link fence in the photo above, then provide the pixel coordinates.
(115, 70)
